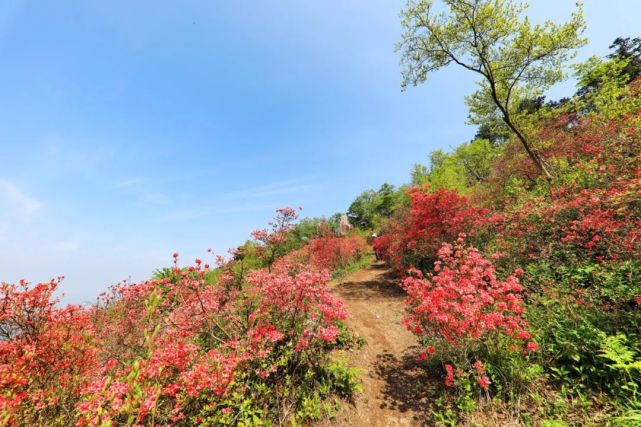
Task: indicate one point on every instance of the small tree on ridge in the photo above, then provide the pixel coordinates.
(516, 59)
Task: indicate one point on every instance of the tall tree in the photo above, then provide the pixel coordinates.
(630, 49)
(622, 66)
(516, 60)
(371, 207)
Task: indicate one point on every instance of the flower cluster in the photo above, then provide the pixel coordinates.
(596, 224)
(163, 351)
(325, 252)
(465, 307)
(193, 338)
(414, 236)
(336, 251)
(271, 244)
(46, 354)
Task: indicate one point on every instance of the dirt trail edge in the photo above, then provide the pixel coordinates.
(393, 383)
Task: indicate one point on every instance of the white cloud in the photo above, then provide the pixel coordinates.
(17, 201)
(128, 183)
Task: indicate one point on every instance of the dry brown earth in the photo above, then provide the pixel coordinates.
(394, 385)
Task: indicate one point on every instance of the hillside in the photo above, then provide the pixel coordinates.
(500, 286)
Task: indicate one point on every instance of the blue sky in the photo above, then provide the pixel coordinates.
(132, 129)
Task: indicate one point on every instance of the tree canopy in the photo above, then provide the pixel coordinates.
(369, 209)
(516, 59)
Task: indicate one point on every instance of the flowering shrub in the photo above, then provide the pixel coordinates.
(271, 244)
(463, 311)
(573, 140)
(326, 252)
(414, 236)
(293, 262)
(46, 354)
(590, 224)
(191, 346)
(333, 252)
(200, 342)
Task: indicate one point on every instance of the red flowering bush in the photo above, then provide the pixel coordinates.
(195, 342)
(590, 224)
(574, 140)
(333, 252)
(326, 252)
(272, 244)
(293, 262)
(414, 236)
(46, 355)
(191, 346)
(464, 311)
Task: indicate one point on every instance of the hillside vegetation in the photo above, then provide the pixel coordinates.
(518, 252)
(524, 282)
(245, 343)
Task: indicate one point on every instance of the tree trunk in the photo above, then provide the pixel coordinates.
(536, 157)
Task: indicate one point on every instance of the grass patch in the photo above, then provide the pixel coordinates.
(363, 262)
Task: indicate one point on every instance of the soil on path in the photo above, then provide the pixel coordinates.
(394, 385)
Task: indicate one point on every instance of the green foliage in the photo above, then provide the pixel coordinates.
(444, 172)
(515, 59)
(419, 175)
(443, 414)
(350, 268)
(625, 362)
(469, 165)
(371, 208)
(615, 349)
(303, 231)
(554, 423)
(497, 134)
(627, 48)
(342, 379)
(602, 84)
(246, 258)
(169, 273)
(583, 342)
(476, 157)
(304, 391)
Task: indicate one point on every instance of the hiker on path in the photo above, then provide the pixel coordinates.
(377, 251)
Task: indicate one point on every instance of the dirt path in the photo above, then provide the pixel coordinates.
(393, 383)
